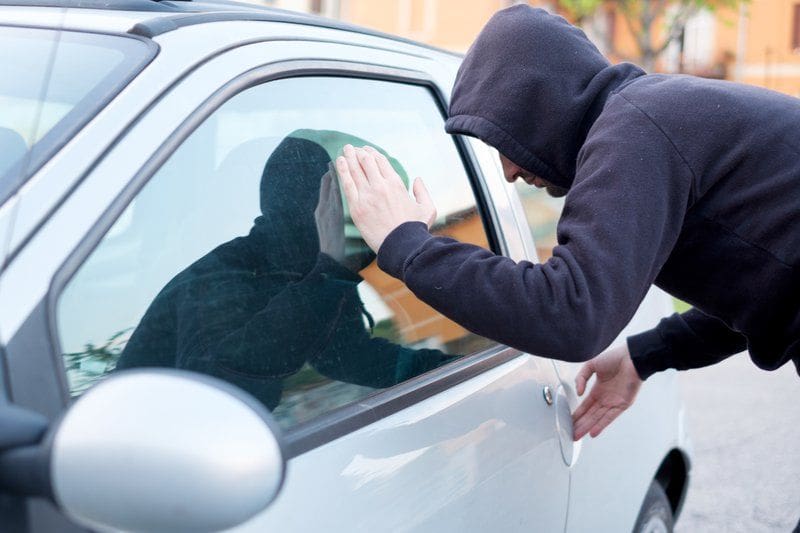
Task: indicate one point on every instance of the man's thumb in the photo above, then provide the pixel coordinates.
(583, 376)
(423, 198)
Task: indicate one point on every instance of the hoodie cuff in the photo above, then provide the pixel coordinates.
(401, 246)
(649, 353)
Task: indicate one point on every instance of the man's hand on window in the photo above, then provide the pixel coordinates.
(377, 197)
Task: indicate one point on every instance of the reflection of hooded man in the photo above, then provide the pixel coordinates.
(257, 308)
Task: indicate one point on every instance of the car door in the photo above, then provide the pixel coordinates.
(394, 417)
(643, 436)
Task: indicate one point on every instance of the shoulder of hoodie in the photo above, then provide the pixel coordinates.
(682, 105)
(672, 101)
(654, 100)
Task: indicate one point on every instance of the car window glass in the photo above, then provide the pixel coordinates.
(542, 212)
(48, 76)
(238, 258)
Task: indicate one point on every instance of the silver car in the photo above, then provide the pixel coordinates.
(194, 336)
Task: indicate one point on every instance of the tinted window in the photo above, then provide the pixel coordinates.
(52, 81)
(238, 258)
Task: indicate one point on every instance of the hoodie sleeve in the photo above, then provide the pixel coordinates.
(689, 340)
(622, 217)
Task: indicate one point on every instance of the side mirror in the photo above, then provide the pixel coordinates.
(157, 450)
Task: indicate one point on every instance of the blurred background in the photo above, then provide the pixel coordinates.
(755, 41)
(744, 422)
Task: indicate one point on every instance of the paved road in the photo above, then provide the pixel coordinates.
(745, 428)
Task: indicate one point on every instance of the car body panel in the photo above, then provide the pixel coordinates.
(643, 435)
(8, 213)
(93, 20)
(467, 459)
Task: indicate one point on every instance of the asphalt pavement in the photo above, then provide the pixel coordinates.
(745, 429)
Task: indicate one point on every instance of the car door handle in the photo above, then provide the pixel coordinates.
(547, 393)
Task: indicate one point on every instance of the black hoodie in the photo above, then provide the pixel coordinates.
(688, 183)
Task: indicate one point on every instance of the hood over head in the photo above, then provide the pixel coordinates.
(531, 86)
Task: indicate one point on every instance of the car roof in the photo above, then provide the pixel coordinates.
(150, 18)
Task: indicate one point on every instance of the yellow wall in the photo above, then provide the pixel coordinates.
(768, 58)
(451, 24)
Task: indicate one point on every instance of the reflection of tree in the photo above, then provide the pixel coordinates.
(86, 367)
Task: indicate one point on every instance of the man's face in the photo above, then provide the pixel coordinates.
(513, 172)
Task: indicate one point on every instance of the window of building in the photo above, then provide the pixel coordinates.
(796, 28)
(238, 258)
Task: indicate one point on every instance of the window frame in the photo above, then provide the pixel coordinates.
(342, 420)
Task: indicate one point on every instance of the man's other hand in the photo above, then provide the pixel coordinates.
(377, 197)
(614, 391)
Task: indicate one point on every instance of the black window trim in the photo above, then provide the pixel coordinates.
(77, 118)
(343, 420)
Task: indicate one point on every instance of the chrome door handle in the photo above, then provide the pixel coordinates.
(548, 395)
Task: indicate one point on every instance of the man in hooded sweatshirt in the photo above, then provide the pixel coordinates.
(688, 183)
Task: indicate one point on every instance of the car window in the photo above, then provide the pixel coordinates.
(239, 259)
(51, 81)
(542, 212)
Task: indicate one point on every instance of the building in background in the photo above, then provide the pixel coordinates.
(758, 43)
(764, 42)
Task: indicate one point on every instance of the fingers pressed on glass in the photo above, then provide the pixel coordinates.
(369, 166)
(354, 166)
(387, 171)
(348, 185)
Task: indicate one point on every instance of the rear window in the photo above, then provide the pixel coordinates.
(53, 82)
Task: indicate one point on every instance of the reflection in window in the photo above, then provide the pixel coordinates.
(238, 259)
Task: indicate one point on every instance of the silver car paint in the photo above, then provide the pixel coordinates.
(7, 215)
(481, 457)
